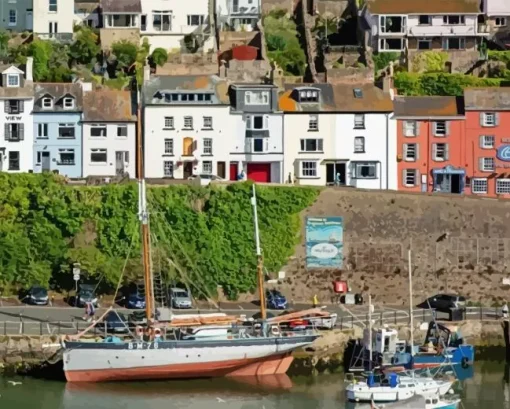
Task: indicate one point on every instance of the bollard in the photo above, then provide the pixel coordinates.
(381, 320)
(481, 313)
(5, 327)
(40, 328)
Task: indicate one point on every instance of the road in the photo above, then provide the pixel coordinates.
(34, 320)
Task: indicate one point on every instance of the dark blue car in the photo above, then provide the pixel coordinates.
(115, 322)
(275, 300)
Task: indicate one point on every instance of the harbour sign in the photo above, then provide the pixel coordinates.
(503, 153)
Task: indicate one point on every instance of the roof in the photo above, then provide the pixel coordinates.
(477, 99)
(121, 6)
(423, 6)
(429, 106)
(58, 91)
(338, 98)
(497, 7)
(211, 83)
(108, 106)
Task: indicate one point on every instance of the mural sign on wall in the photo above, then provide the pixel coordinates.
(324, 242)
(503, 153)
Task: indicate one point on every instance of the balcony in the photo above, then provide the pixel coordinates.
(257, 133)
(120, 21)
(443, 31)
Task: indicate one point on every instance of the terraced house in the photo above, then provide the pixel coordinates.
(16, 102)
(57, 128)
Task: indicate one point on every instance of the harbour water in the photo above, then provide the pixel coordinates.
(489, 388)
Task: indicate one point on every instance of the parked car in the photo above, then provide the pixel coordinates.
(86, 293)
(444, 302)
(275, 300)
(204, 179)
(36, 295)
(135, 296)
(179, 298)
(115, 322)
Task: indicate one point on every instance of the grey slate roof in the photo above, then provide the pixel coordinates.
(480, 99)
(194, 83)
(108, 106)
(121, 6)
(58, 91)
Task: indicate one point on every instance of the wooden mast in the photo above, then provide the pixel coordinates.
(260, 261)
(144, 219)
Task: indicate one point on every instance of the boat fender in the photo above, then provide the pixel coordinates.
(139, 331)
(275, 331)
(464, 362)
(157, 332)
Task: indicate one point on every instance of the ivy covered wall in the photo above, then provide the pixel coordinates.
(202, 236)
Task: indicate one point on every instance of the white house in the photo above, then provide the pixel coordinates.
(257, 151)
(187, 127)
(54, 19)
(498, 19)
(109, 134)
(339, 134)
(86, 12)
(423, 25)
(17, 103)
(165, 23)
(238, 15)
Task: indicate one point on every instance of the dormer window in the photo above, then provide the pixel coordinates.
(13, 80)
(47, 103)
(68, 103)
(309, 95)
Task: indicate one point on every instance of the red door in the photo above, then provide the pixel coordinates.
(233, 170)
(259, 172)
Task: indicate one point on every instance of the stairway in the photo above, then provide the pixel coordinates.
(160, 291)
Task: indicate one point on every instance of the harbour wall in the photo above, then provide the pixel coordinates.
(458, 245)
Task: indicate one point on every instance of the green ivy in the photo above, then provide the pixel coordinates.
(382, 60)
(203, 236)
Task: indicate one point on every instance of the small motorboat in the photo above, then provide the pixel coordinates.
(419, 402)
(393, 388)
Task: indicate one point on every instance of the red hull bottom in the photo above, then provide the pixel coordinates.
(275, 365)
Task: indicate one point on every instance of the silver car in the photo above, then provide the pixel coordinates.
(179, 298)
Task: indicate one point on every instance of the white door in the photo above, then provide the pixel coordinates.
(29, 20)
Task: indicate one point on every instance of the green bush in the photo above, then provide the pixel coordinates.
(159, 56)
(496, 55)
(201, 236)
(440, 83)
(382, 60)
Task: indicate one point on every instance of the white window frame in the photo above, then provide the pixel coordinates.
(256, 97)
(207, 167)
(68, 103)
(201, 20)
(313, 123)
(384, 47)
(42, 131)
(359, 121)
(502, 186)
(207, 122)
(408, 173)
(359, 144)
(406, 152)
(119, 127)
(250, 145)
(102, 127)
(250, 122)
(447, 20)
(446, 43)
(319, 143)
(429, 20)
(15, 83)
(487, 141)
(486, 122)
(308, 169)
(426, 41)
(47, 103)
(169, 146)
(13, 22)
(207, 146)
(161, 14)
(169, 122)
(410, 129)
(93, 151)
(487, 161)
(479, 186)
(440, 128)
(501, 22)
(52, 6)
(188, 123)
(435, 149)
(359, 165)
(67, 125)
(165, 168)
(64, 151)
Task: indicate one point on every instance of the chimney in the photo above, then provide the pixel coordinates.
(86, 86)
(29, 69)
(146, 72)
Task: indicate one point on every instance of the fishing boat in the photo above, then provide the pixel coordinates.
(155, 352)
(395, 388)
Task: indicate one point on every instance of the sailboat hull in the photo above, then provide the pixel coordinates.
(104, 362)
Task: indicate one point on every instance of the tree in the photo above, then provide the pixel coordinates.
(86, 46)
(125, 52)
(159, 56)
(4, 43)
(41, 51)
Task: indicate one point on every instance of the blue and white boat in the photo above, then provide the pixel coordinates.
(419, 402)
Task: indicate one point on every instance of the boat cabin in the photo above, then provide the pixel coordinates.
(440, 335)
